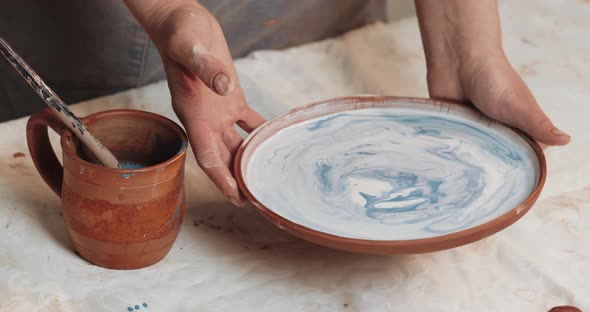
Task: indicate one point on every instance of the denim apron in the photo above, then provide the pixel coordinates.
(86, 49)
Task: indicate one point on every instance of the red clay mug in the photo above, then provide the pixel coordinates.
(116, 218)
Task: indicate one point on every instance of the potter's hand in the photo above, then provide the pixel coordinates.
(465, 60)
(206, 94)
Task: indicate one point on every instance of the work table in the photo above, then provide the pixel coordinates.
(229, 258)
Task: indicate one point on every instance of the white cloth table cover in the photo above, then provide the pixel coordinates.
(235, 260)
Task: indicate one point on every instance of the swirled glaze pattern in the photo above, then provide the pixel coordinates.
(392, 173)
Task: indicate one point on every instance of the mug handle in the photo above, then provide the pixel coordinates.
(40, 148)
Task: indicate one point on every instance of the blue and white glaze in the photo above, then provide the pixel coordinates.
(392, 173)
(130, 165)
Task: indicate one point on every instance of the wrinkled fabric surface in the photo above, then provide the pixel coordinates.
(230, 259)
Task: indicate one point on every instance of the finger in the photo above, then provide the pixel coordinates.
(207, 68)
(232, 140)
(212, 155)
(508, 99)
(190, 47)
(214, 159)
(250, 120)
(519, 108)
(211, 71)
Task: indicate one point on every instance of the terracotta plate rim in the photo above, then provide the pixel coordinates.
(407, 246)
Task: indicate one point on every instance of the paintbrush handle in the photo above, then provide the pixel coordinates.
(58, 106)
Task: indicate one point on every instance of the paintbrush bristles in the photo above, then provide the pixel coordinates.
(104, 156)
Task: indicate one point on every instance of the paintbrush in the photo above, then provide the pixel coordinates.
(104, 156)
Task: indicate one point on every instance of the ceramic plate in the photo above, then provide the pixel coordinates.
(390, 175)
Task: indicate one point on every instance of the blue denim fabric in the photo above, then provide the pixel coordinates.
(86, 49)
